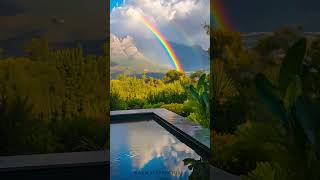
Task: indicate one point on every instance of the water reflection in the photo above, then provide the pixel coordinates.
(145, 150)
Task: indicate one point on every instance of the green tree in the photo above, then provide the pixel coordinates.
(37, 49)
(173, 75)
(280, 39)
(196, 75)
(1, 52)
(144, 76)
(315, 53)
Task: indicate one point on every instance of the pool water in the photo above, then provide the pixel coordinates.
(145, 150)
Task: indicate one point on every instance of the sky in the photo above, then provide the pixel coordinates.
(86, 19)
(268, 15)
(116, 3)
(75, 19)
(179, 21)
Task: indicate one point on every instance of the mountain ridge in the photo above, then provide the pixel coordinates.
(125, 56)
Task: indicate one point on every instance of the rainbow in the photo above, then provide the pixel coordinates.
(218, 14)
(163, 42)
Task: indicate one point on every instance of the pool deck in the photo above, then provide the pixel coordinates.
(69, 165)
(53, 160)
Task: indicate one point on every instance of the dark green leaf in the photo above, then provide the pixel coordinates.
(200, 90)
(292, 64)
(201, 81)
(205, 98)
(270, 97)
(200, 170)
(306, 117)
(293, 91)
(194, 92)
(188, 161)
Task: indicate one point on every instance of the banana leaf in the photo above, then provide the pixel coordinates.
(270, 97)
(306, 118)
(293, 91)
(292, 64)
(205, 98)
(194, 92)
(202, 80)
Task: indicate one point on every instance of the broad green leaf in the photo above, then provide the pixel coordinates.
(200, 90)
(194, 92)
(205, 98)
(292, 64)
(293, 91)
(188, 161)
(267, 171)
(200, 169)
(270, 97)
(201, 81)
(306, 118)
(318, 141)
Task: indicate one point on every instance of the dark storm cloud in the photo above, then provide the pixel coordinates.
(60, 20)
(9, 8)
(253, 15)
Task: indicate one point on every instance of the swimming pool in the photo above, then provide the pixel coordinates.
(141, 148)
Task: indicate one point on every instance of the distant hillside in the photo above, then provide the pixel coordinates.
(192, 58)
(126, 58)
(89, 47)
(15, 46)
(151, 74)
(250, 39)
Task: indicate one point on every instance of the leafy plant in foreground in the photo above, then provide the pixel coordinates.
(200, 168)
(296, 111)
(200, 94)
(267, 171)
(222, 95)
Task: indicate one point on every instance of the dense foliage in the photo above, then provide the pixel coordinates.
(268, 127)
(53, 101)
(176, 92)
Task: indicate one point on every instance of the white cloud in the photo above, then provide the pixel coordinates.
(180, 21)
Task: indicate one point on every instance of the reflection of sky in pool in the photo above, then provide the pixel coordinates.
(138, 148)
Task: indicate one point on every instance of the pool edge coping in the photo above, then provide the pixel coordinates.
(104, 161)
(54, 160)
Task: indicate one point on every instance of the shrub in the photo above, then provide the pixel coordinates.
(251, 143)
(61, 85)
(80, 134)
(116, 103)
(177, 108)
(133, 93)
(135, 103)
(199, 118)
(221, 154)
(268, 171)
(150, 106)
(169, 93)
(190, 106)
(21, 132)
